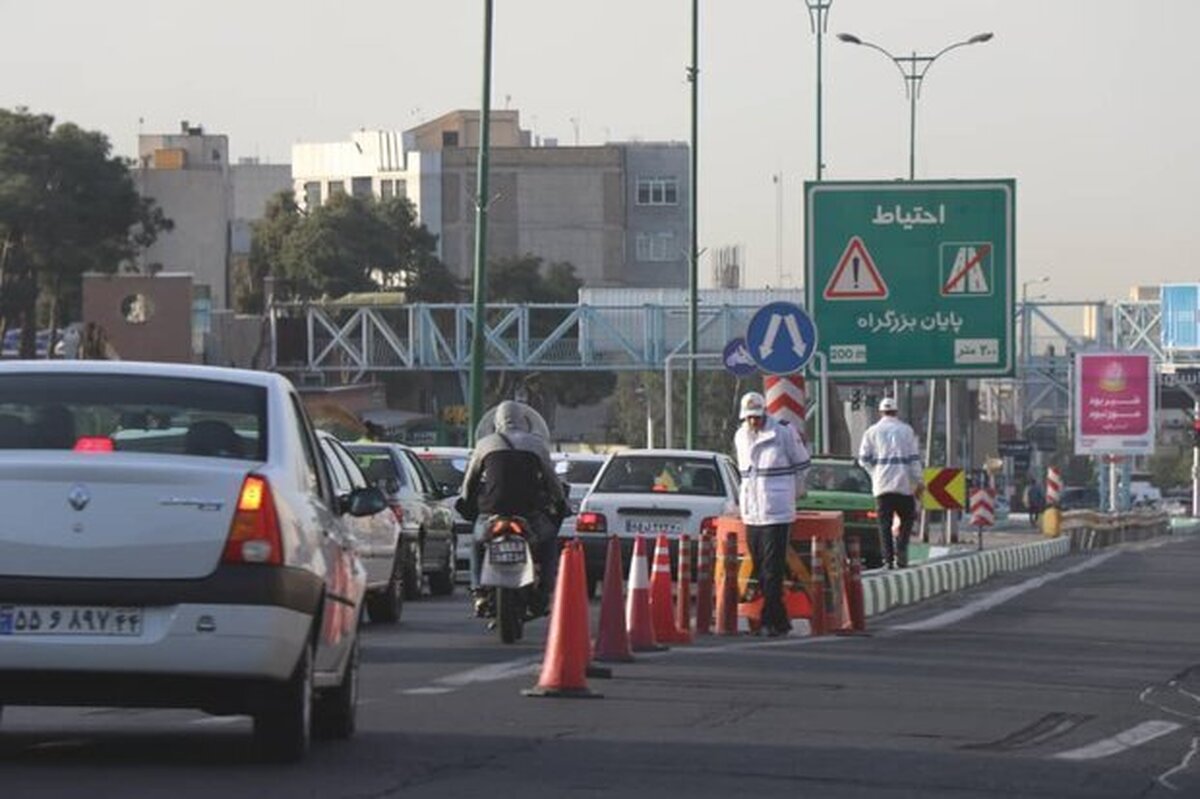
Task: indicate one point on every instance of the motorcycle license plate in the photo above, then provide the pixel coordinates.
(507, 552)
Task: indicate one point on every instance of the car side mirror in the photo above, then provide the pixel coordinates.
(363, 502)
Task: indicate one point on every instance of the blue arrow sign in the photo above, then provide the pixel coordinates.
(737, 358)
(781, 338)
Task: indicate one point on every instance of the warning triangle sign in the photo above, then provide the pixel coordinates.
(855, 276)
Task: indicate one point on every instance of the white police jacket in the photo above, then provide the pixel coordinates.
(890, 455)
(772, 462)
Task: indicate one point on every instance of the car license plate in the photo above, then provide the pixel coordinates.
(507, 552)
(69, 620)
(652, 527)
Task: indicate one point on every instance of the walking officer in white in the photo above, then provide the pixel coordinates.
(890, 454)
(772, 460)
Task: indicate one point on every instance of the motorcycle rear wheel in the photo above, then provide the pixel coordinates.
(510, 614)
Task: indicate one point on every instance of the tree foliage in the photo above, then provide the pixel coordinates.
(350, 244)
(67, 206)
(529, 280)
(717, 404)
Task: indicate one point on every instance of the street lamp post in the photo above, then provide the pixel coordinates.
(478, 351)
(693, 74)
(818, 18)
(913, 69)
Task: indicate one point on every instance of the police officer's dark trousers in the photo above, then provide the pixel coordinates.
(768, 547)
(902, 505)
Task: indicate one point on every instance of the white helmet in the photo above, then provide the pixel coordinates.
(887, 405)
(753, 404)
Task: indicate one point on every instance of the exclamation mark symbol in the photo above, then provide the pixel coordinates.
(854, 266)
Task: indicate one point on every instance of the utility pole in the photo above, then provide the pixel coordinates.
(478, 347)
(694, 265)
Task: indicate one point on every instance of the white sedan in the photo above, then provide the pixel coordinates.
(648, 492)
(171, 538)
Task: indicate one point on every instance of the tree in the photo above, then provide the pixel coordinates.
(529, 280)
(67, 206)
(717, 405)
(349, 244)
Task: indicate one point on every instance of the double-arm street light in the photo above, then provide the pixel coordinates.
(913, 69)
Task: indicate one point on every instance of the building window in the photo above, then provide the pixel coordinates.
(312, 194)
(360, 187)
(449, 138)
(401, 188)
(657, 191)
(656, 247)
(387, 189)
(335, 187)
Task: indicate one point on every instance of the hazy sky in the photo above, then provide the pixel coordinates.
(1091, 106)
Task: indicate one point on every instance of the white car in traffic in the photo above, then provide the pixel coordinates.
(171, 538)
(652, 492)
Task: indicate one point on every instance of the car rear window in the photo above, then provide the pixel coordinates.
(845, 477)
(378, 466)
(447, 470)
(661, 475)
(133, 413)
(577, 471)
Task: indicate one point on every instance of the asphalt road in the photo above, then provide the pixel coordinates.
(1080, 679)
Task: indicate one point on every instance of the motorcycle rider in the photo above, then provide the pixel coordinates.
(511, 474)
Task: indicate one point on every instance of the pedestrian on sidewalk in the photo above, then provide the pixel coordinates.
(773, 460)
(890, 455)
(1035, 501)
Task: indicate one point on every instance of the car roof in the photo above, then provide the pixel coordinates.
(180, 371)
(667, 453)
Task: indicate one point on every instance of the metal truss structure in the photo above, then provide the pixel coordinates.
(358, 340)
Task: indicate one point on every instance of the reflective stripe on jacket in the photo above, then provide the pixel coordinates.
(890, 454)
(772, 463)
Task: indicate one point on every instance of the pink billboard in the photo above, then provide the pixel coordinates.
(1114, 403)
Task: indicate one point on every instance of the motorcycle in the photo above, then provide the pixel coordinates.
(508, 574)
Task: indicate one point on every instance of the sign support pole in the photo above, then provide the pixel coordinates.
(928, 452)
(951, 528)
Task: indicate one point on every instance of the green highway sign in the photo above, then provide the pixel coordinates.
(912, 279)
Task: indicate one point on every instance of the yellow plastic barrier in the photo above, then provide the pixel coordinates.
(1051, 522)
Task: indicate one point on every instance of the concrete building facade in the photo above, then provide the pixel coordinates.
(212, 203)
(617, 212)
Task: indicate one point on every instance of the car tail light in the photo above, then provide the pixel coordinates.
(254, 534)
(398, 512)
(94, 444)
(708, 525)
(591, 523)
(872, 515)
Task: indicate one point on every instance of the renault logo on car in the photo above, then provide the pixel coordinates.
(78, 496)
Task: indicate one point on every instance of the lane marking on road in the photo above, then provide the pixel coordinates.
(1149, 697)
(217, 721)
(1143, 733)
(1164, 779)
(997, 598)
(493, 672)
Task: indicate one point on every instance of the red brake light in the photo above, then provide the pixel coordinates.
(708, 525)
(872, 515)
(254, 534)
(94, 444)
(591, 523)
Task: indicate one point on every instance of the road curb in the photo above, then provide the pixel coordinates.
(882, 592)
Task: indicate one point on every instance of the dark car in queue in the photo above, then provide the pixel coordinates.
(448, 465)
(419, 503)
(840, 484)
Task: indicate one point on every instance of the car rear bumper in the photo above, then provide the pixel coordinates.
(179, 643)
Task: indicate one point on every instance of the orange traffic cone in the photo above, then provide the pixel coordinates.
(661, 607)
(637, 607)
(683, 597)
(704, 585)
(816, 595)
(857, 622)
(727, 592)
(612, 638)
(564, 668)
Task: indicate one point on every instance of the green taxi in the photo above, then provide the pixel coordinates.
(840, 484)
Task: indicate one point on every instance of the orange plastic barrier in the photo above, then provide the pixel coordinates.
(827, 528)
